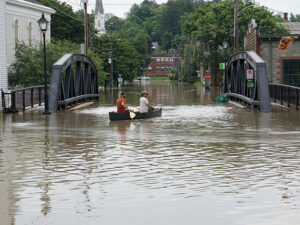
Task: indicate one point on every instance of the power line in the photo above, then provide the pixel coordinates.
(65, 13)
(93, 3)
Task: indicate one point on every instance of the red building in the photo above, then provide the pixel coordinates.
(161, 65)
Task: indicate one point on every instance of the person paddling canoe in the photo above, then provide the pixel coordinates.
(144, 103)
(121, 104)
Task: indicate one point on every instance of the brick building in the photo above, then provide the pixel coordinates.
(161, 65)
(283, 66)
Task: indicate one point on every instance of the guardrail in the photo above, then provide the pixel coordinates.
(285, 94)
(21, 99)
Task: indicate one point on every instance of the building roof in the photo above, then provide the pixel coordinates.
(164, 55)
(99, 7)
(34, 2)
(293, 27)
(277, 36)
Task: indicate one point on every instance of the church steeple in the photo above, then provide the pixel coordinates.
(99, 7)
(99, 18)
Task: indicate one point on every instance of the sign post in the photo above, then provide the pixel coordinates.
(207, 76)
(250, 78)
(207, 79)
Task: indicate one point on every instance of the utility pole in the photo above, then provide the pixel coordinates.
(236, 26)
(189, 60)
(86, 28)
(110, 59)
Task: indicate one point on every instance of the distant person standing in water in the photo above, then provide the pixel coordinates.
(121, 103)
(144, 103)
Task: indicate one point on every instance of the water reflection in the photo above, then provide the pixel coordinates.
(199, 158)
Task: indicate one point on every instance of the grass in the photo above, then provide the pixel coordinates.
(158, 78)
(198, 83)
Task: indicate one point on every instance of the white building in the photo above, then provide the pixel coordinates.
(99, 18)
(3, 64)
(21, 24)
(18, 22)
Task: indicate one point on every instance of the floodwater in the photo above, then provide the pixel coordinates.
(200, 163)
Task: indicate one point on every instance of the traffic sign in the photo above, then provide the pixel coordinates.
(222, 66)
(250, 75)
(207, 76)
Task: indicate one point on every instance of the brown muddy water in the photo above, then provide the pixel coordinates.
(200, 163)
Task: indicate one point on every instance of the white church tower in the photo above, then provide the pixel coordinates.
(99, 18)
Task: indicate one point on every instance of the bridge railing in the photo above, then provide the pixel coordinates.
(285, 94)
(74, 79)
(249, 91)
(20, 99)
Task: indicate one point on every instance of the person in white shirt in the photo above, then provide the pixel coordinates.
(144, 103)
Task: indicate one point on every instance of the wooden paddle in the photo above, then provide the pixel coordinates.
(132, 115)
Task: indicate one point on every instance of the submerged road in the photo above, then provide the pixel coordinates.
(200, 163)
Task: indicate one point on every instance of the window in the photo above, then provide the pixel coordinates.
(167, 69)
(149, 68)
(167, 59)
(16, 31)
(158, 69)
(162, 69)
(291, 72)
(162, 59)
(158, 60)
(30, 33)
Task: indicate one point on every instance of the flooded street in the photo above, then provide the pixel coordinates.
(200, 163)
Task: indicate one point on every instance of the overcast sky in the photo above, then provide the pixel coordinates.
(120, 7)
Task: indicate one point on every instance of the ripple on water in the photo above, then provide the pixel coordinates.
(203, 154)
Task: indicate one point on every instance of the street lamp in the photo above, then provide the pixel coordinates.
(225, 46)
(111, 58)
(43, 24)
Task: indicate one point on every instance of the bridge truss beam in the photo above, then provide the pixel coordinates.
(74, 80)
(236, 87)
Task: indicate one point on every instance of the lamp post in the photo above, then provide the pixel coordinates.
(236, 25)
(111, 71)
(86, 28)
(110, 60)
(43, 24)
(225, 46)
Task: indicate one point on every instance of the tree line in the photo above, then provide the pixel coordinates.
(194, 28)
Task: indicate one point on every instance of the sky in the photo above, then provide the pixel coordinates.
(120, 7)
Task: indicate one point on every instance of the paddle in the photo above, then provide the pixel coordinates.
(132, 115)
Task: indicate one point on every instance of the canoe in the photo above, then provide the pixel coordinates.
(113, 116)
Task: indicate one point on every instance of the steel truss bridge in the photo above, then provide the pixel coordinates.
(251, 92)
(74, 80)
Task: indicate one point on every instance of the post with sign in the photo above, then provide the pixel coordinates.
(250, 81)
(120, 80)
(207, 78)
(250, 78)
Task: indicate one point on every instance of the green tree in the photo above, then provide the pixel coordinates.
(126, 59)
(144, 10)
(28, 68)
(295, 18)
(65, 23)
(212, 23)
